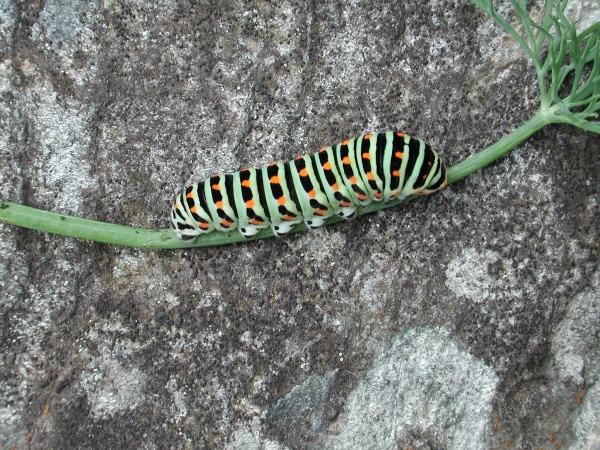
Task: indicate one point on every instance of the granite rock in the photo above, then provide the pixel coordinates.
(466, 319)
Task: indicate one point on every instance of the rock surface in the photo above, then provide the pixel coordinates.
(469, 319)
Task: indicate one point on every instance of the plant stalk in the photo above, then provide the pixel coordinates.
(507, 143)
(50, 222)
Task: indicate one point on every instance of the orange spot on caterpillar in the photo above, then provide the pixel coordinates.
(246, 183)
(219, 204)
(346, 142)
(287, 218)
(399, 155)
(396, 173)
(215, 187)
(429, 163)
(352, 180)
(255, 222)
(361, 196)
(424, 177)
(204, 225)
(250, 203)
(400, 135)
(190, 195)
(368, 136)
(281, 200)
(312, 194)
(327, 165)
(303, 173)
(344, 203)
(226, 223)
(347, 160)
(322, 150)
(320, 212)
(378, 194)
(274, 180)
(366, 155)
(194, 209)
(370, 176)
(335, 187)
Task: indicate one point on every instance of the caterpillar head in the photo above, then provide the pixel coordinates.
(188, 218)
(438, 180)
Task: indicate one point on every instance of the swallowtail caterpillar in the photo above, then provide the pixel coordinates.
(312, 188)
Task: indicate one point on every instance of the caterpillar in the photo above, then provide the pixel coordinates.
(311, 188)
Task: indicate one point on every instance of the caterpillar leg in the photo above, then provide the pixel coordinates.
(283, 228)
(346, 213)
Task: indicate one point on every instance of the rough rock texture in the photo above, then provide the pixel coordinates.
(469, 319)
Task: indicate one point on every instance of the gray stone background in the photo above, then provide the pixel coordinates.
(470, 319)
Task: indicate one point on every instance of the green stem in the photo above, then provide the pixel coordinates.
(92, 230)
(50, 222)
(503, 146)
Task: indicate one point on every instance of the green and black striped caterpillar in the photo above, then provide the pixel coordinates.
(311, 188)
